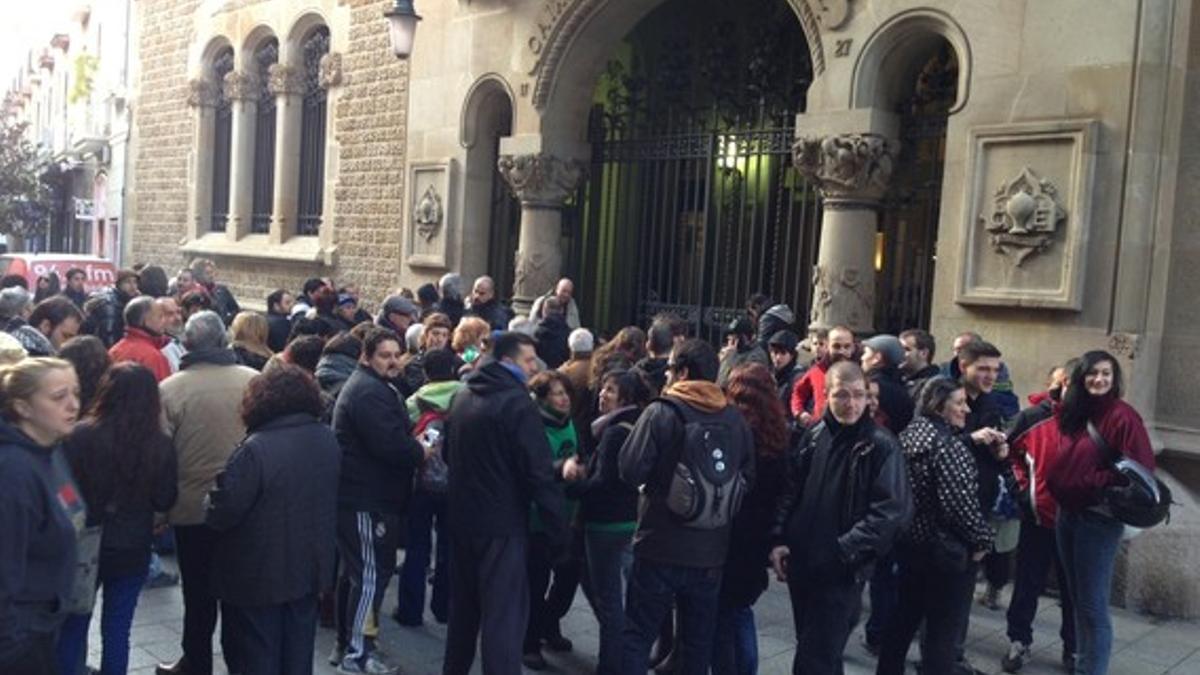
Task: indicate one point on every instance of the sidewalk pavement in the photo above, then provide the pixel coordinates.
(1142, 646)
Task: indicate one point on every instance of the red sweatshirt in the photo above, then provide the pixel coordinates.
(1080, 473)
(1034, 441)
(810, 387)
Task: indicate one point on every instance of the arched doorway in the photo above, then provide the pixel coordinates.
(491, 212)
(906, 244)
(692, 203)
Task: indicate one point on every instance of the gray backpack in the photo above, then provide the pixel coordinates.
(707, 486)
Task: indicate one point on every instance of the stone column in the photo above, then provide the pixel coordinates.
(242, 90)
(852, 171)
(287, 85)
(542, 182)
(203, 96)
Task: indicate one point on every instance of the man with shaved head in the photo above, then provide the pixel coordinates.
(564, 290)
(845, 500)
(486, 306)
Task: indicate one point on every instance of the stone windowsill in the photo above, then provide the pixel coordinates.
(300, 250)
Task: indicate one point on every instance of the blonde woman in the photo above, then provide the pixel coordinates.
(40, 509)
(248, 333)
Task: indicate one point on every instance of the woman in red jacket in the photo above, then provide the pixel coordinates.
(1088, 536)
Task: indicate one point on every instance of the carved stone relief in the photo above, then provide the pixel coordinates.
(330, 74)
(428, 213)
(203, 93)
(847, 166)
(1124, 344)
(541, 180)
(241, 86)
(1024, 217)
(532, 275)
(285, 79)
(845, 298)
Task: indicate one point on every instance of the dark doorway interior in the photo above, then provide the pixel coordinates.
(692, 204)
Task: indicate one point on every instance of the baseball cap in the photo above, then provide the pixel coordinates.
(889, 346)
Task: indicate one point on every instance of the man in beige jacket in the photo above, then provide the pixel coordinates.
(201, 410)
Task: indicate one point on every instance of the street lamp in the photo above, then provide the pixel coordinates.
(402, 27)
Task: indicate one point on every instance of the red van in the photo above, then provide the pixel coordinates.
(100, 272)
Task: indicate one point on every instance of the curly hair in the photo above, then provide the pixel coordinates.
(752, 389)
(471, 331)
(623, 351)
(284, 390)
(543, 382)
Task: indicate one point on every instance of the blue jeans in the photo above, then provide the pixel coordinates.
(116, 617)
(609, 559)
(653, 588)
(1087, 544)
(735, 646)
(427, 513)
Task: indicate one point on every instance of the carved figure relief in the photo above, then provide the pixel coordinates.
(285, 79)
(845, 298)
(833, 13)
(428, 214)
(1124, 344)
(1025, 216)
(202, 93)
(541, 179)
(330, 70)
(847, 166)
(531, 276)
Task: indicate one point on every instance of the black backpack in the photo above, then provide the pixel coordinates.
(706, 486)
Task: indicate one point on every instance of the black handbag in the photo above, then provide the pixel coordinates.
(1144, 501)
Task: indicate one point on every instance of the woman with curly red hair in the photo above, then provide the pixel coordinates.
(735, 650)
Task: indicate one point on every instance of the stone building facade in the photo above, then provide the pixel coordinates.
(1062, 219)
(364, 144)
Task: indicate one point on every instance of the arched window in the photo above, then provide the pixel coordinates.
(265, 56)
(222, 141)
(312, 134)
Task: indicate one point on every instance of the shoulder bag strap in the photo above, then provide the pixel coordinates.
(1101, 444)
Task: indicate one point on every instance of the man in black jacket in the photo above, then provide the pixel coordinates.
(223, 303)
(673, 560)
(486, 306)
(106, 318)
(781, 348)
(279, 320)
(379, 456)
(881, 358)
(846, 499)
(918, 367)
(500, 464)
(551, 334)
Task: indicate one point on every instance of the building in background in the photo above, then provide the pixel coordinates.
(74, 94)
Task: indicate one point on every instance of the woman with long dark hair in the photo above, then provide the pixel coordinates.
(125, 467)
(91, 361)
(1087, 534)
(275, 506)
(608, 508)
(939, 555)
(753, 391)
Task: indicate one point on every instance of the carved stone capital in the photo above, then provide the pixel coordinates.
(541, 180)
(203, 93)
(284, 79)
(847, 167)
(241, 86)
(330, 74)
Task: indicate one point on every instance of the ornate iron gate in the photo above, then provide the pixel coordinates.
(692, 223)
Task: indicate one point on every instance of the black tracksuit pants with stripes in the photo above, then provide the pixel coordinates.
(366, 543)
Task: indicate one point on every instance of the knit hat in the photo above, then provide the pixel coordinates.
(346, 299)
(439, 365)
(581, 341)
(398, 304)
(740, 326)
(784, 340)
(887, 345)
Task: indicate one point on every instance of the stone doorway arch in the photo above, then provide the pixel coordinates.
(490, 214)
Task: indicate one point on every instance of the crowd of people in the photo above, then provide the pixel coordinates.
(520, 459)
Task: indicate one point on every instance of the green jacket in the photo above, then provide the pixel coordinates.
(564, 444)
(433, 396)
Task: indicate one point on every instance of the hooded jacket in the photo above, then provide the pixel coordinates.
(777, 318)
(379, 454)
(499, 460)
(895, 405)
(648, 459)
(333, 370)
(40, 509)
(141, 346)
(1034, 441)
(846, 500)
(435, 396)
(107, 320)
(551, 335)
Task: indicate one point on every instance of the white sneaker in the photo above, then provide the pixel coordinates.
(1018, 655)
